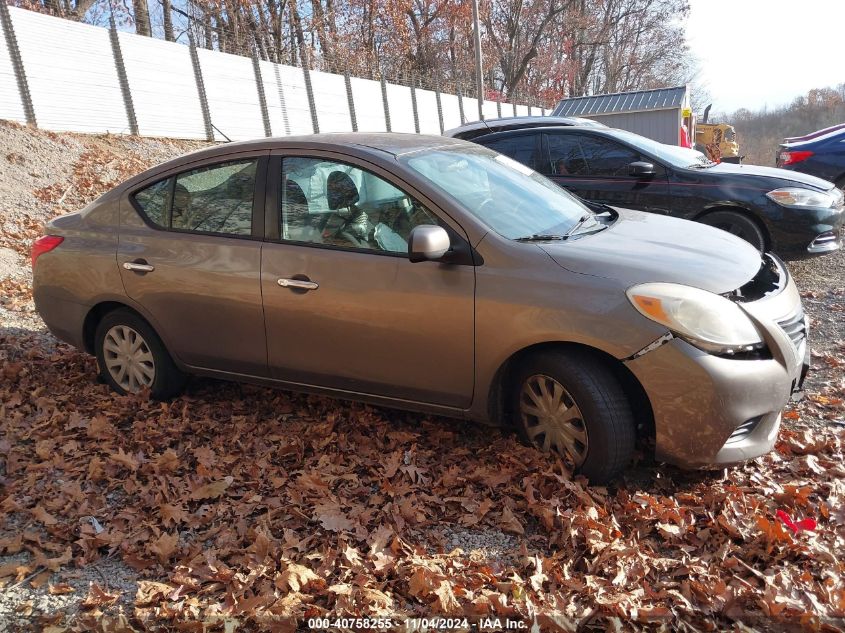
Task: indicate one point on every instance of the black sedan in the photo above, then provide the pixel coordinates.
(792, 214)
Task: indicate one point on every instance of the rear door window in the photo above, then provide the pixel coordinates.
(522, 148)
(565, 155)
(213, 199)
(155, 202)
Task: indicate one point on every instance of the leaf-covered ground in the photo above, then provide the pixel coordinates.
(242, 503)
(243, 508)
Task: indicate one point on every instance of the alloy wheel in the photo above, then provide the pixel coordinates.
(128, 358)
(552, 419)
(734, 228)
(739, 225)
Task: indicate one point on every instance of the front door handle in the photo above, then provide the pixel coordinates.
(298, 284)
(139, 266)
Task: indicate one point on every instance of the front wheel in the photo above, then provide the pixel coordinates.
(572, 404)
(737, 224)
(131, 357)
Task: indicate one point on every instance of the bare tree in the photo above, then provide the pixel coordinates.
(760, 132)
(540, 50)
(142, 17)
(167, 20)
(516, 30)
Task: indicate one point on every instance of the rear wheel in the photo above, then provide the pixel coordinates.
(131, 357)
(737, 224)
(573, 404)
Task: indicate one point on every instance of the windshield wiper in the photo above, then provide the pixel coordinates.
(545, 237)
(578, 224)
(540, 237)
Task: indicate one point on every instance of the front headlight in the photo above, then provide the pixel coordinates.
(797, 197)
(706, 320)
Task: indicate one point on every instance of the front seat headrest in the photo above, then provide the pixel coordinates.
(294, 193)
(341, 192)
(181, 199)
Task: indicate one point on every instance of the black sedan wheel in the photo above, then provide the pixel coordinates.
(737, 224)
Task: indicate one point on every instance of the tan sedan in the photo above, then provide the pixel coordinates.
(435, 275)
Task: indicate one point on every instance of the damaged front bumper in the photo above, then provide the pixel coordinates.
(714, 410)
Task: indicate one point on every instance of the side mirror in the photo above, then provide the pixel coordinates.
(641, 169)
(428, 243)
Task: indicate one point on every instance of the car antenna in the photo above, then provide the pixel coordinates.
(228, 140)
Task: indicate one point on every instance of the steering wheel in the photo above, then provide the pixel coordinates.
(324, 222)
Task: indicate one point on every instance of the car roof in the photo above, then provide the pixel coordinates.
(815, 140)
(602, 130)
(395, 143)
(814, 135)
(383, 144)
(515, 122)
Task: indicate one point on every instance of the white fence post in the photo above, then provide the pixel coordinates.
(414, 106)
(351, 101)
(121, 77)
(206, 113)
(439, 106)
(17, 64)
(385, 103)
(262, 98)
(309, 91)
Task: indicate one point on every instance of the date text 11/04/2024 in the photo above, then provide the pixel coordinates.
(419, 624)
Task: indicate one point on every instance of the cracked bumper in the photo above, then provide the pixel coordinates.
(711, 410)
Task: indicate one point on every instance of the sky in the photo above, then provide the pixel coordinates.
(756, 53)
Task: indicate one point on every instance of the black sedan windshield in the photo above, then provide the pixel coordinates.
(510, 198)
(675, 156)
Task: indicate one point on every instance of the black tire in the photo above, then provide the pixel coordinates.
(604, 410)
(737, 224)
(841, 183)
(166, 382)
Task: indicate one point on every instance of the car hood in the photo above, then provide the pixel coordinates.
(643, 247)
(771, 172)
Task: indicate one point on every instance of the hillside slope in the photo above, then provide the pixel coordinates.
(44, 174)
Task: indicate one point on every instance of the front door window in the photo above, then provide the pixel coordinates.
(336, 204)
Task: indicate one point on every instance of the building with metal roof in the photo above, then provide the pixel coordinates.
(657, 114)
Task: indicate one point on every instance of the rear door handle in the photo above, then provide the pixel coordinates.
(139, 267)
(299, 284)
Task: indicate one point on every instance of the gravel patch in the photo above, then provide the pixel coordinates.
(821, 282)
(44, 174)
(482, 544)
(61, 593)
(820, 274)
(13, 264)
(31, 160)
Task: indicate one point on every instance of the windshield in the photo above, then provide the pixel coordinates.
(675, 156)
(510, 198)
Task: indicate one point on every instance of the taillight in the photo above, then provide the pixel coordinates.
(44, 244)
(789, 158)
